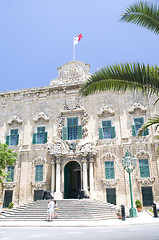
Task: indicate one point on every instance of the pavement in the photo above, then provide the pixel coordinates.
(142, 218)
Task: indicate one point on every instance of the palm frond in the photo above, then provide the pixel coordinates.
(122, 77)
(143, 14)
(152, 121)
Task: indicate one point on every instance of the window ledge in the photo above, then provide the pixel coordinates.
(39, 184)
(146, 181)
(108, 183)
(107, 141)
(9, 185)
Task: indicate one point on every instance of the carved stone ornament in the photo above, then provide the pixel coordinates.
(41, 117)
(57, 147)
(38, 185)
(87, 148)
(142, 154)
(108, 157)
(106, 110)
(72, 72)
(39, 160)
(73, 106)
(9, 185)
(108, 183)
(15, 120)
(137, 106)
(145, 182)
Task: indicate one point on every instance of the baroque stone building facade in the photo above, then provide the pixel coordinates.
(67, 143)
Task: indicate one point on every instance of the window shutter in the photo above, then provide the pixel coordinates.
(34, 138)
(79, 131)
(45, 139)
(146, 132)
(7, 140)
(133, 131)
(100, 133)
(64, 133)
(17, 139)
(113, 135)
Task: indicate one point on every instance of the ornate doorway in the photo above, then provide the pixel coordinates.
(72, 180)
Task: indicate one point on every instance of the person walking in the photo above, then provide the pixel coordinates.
(0, 208)
(48, 211)
(52, 209)
(56, 208)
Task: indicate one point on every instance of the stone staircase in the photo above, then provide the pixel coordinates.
(69, 209)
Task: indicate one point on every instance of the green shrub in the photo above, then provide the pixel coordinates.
(11, 205)
(138, 204)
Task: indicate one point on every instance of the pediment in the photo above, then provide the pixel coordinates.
(41, 117)
(72, 72)
(106, 110)
(15, 120)
(137, 107)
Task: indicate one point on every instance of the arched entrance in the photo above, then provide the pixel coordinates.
(72, 180)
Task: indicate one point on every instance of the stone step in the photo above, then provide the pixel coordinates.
(68, 209)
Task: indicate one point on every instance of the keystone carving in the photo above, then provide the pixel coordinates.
(38, 185)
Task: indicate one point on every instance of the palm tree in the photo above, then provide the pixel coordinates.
(143, 14)
(130, 76)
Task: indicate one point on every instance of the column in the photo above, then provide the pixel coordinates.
(58, 194)
(91, 178)
(85, 182)
(53, 177)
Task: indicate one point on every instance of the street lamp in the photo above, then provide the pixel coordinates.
(129, 163)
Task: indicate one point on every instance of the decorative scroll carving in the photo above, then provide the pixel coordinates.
(9, 185)
(15, 120)
(109, 183)
(143, 154)
(39, 160)
(108, 157)
(57, 147)
(41, 117)
(87, 148)
(145, 182)
(72, 72)
(137, 106)
(38, 185)
(106, 110)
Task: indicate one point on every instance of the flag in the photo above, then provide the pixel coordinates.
(77, 39)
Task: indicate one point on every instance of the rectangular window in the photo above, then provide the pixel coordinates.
(39, 173)
(144, 168)
(73, 130)
(10, 172)
(107, 131)
(109, 170)
(40, 137)
(13, 138)
(138, 122)
(72, 124)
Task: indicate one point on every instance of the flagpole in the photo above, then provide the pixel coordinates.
(73, 50)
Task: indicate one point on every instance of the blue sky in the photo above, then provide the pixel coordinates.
(37, 36)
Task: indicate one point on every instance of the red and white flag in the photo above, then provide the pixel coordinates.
(77, 39)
